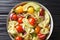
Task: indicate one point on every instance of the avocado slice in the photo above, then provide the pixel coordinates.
(33, 4)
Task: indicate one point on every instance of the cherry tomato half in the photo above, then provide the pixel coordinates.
(31, 10)
(14, 16)
(20, 19)
(41, 36)
(31, 21)
(18, 38)
(19, 28)
(37, 29)
(42, 12)
(19, 9)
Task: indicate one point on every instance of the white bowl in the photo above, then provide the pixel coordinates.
(51, 19)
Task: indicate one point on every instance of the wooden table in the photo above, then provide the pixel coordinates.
(52, 5)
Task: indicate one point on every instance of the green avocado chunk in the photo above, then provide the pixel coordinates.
(32, 4)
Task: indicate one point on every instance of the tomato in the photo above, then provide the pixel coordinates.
(19, 9)
(37, 29)
(14, 17)
(19, 28)
(20, 19)
(31, 10)
(41, 36)
(42, 12)
(18, 38)
(31, 21)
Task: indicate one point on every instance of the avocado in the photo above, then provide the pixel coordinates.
(32, 4)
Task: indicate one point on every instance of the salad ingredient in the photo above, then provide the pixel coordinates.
(32, 21)
(14, 17)
(33, 34)
(26, 23)
(39, 18)
(46, 20)
(27, 26)
(19, 9)
(44, 31)
(28, 37)
(11, 15)
(11, 27)
(12, 24)
(31, 30)
(18, 38)
(20, 19)
(42, 11)
(41, 36)
(33, 4)
(35, 38)
(48, 27)
(31, 10)
(19, 28)
(12, 31)
(37, 29)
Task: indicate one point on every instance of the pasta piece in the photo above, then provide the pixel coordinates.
(44, 31)
(11, 27)
(28, 37)
(35, 38)
(12, 31)
(46, 21)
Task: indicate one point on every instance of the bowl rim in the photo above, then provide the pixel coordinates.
(51, 19)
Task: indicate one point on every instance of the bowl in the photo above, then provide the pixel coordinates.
(51, 19)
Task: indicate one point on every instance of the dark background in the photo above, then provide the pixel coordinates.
(52, 5)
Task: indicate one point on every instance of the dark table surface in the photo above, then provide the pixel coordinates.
(52, 5)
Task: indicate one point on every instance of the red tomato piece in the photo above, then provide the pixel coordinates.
(31, 21)
(41, 36)
(18, 38)
(19, 28)
(20, 19)
(13, 16)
